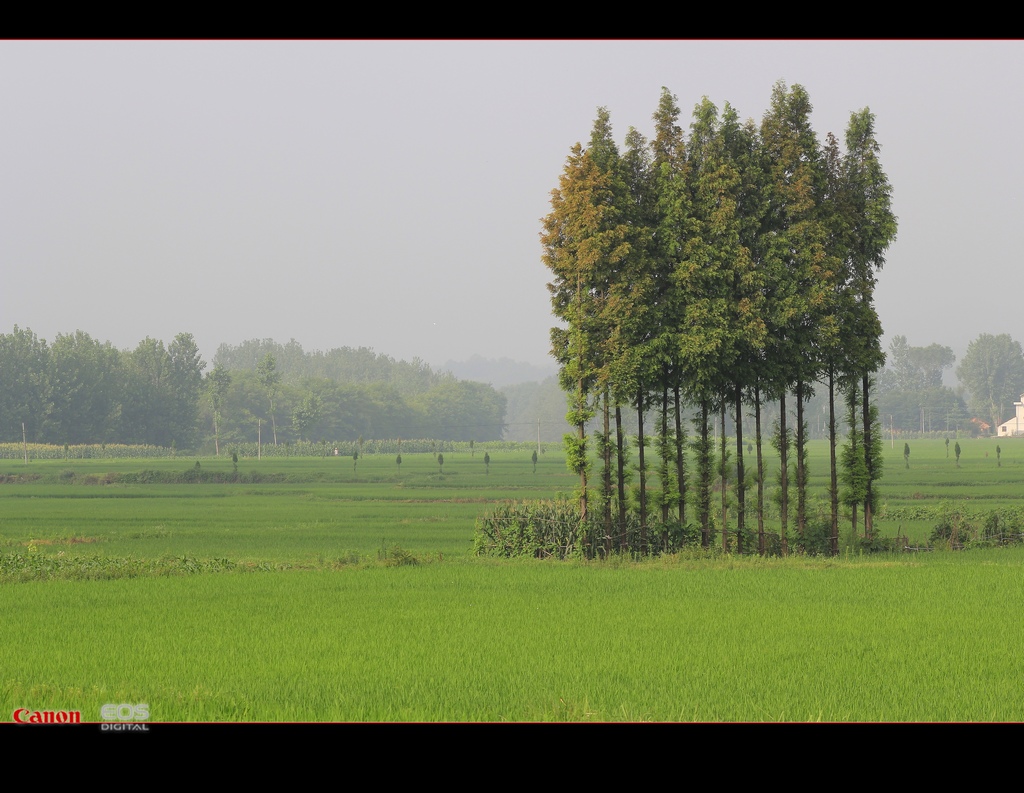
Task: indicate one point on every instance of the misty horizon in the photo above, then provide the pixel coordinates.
(388, 194)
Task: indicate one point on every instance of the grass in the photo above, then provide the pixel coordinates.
(283, 601)
(748, 640)
(321, 508)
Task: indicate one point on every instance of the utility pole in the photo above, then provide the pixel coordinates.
(538, 436)
(259, 439)
(24, 442)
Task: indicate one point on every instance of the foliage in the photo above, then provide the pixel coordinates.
(959, 529)
(854, 476)
(359, 366)
(79, 391)
(993, 372)
(954, 528)
(34, 566)
(709, 268)
(539, 529)
(554, 529)
(918, 368)
(397, 556)
(25, 386)
(925, 410)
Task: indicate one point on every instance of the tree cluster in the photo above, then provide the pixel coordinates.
(79, 390)
(993, 371)
(367, 396)
(719, 270)
(911, 393)
(359, 365)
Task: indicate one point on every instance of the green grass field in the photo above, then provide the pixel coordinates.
(283, 601)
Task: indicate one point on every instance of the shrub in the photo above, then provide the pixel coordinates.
(539, 529)
(546, 529)
(953, 529)
(397, 556)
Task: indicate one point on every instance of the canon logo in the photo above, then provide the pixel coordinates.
(26, 716)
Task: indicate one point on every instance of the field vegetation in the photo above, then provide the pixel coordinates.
(314, 590)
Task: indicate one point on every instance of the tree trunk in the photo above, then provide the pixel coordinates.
(704, 474)
(723, 470)
(620, 442)
(664, 448)
(643, 470)
(868, 460)
(833, 473)
(784, 484)
(582, 435)
(760, 472)
(680, 460)
(801, 462)
(606, 496)
(740, 472)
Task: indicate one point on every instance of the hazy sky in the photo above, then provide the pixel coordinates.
(389, 193)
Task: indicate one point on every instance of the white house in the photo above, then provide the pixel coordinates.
(1014, 426)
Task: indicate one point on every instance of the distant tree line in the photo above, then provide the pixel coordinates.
(911, 394)
(912, 397)
(356, 365)
(78, 390)
(720, 270)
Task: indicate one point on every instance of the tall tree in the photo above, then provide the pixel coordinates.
(185, 379)
(86, 377)
(797, 261)
(217, 384)
(24, 386)
(634, 318)
(872, 229)
(993, 372)
(147, 402)
(306, 414)
(266, 372)
(834, 353)
(582, 238)
(605, 153)
(672, 223)
(918, 368)
(743, 155)
(910, 388)
(706, 334)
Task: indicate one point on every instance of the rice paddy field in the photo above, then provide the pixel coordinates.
(317, 591)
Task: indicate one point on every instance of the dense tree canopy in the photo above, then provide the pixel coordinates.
(993, 372)
(292, 364)
(81, 390)
(25, 384)
(718, 269)
(911, 395)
